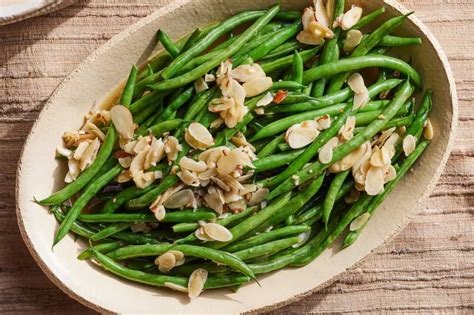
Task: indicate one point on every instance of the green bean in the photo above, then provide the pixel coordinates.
(282, 50)
(74, 187)
(102, 248)
(284, 62)
(160, 128)
(286, 85)
(88, 193)
(167, 43)
(134, 238)
(76, 228)
(195, 36)
(357, 63)
(118, 200)
(267, 248)
(311, 150)
(372, 129)
(188, 268)
(266, 237)
(331, 195)
(224, 222)
(369, 18)
(200, 104)
(377, 200)
(395, 41)
(297, 68)
(399, 122)
(288, 15)
(141, 264)
(276, 160)
(127, 93)
(271, 146)
(146, 199)
(110, 230)
(188, 250)
(270, 28)
(366, 46)
(145, 101)
(315, 212)
(213, 35)
(185, 227)
(177, 216)
(111, 162)
(275, 40)
(180, 98)
(161, 280)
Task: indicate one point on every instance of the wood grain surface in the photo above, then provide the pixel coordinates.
(429, 267)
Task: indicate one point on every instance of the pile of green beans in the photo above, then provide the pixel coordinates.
(307, 207)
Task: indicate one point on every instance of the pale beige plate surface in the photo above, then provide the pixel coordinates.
(39, 174)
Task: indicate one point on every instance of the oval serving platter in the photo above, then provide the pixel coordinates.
(38, 172)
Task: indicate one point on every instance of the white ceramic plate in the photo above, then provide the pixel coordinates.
(16, 10)
(39, 175)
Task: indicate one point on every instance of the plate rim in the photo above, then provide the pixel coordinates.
(399, 8)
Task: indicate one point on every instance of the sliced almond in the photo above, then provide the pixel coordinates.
(258, 196)
(172, 148)
(159, 212)
(89, 155)
(123, 120)
(144, 180)
(308, 17)
(389, 174)
(356, 83)
(200, 85)
(359, 222)
(302, 134)
(319, 30)
(217, 123)
(324, 122)
(124, 176)
(330, 11)
(138, 162)
(309, 38)
(201, 235)
(245, 73)
(209, 77)
(180, 199)
(165, 262)
(81, 148)
(62, 151)
(257, 85)
(374, 181)
(228, 163)
(125, 161)
(409, 144)
(351, 17)
(384, 136)
(207, 174)
(73, 168)
(347, 131)
(141, 144)
(192, 165)
(321, 13)
(196, 282)
(91, 128)
(217, 232)
(215, 199)
(360, 100)
(198, 136)
(377, 158)
(176, 287)
(428, 131)
(189, 178)
(326, 151)
(266, 100)
(353, 39)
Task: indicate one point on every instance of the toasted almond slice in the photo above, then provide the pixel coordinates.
(179, 255)
(356, 157)
(359, 222)
(347, 131)
(374, 181)
(360, 100)
(209, 77)
(428, 131)
(301, 137)
(91, 128)
(330, 11)
(353, 39)
(180, 199)
(377, 158)
(384, 136)
(138, 162)
(245, 73)
(266, 100)
(224, 69)
(196, 282)
(176, 287)
(125, 161)
(124, 176)
(308, 17)
(207, 174)
(89, 154)
(62, 151)
(172, 147)
(189, 178)
(228, 163)
(215, 199)
(73, 168)
(144, 180)
(217, 123)
(392, 140)
(217, 232)
(198, 136)
(309, 38)
(200, 85)
(155, 153)
(351, 17)
(192, 165)
(257, 85)
(258, 196)
(165, 262)
(326, 151)
(123, 120)
(319, 30)
(389, 173)
(321, 13)
(409, 144)
(81, 148)
(159, 212)
(324, 122)
(356, 83)
(201, 235)
(141, 144)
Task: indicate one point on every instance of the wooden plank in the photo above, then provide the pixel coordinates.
(429, 267)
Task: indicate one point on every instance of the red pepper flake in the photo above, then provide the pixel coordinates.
(280, 96)
(120, 154)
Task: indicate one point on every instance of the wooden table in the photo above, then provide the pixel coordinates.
(428, 267)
